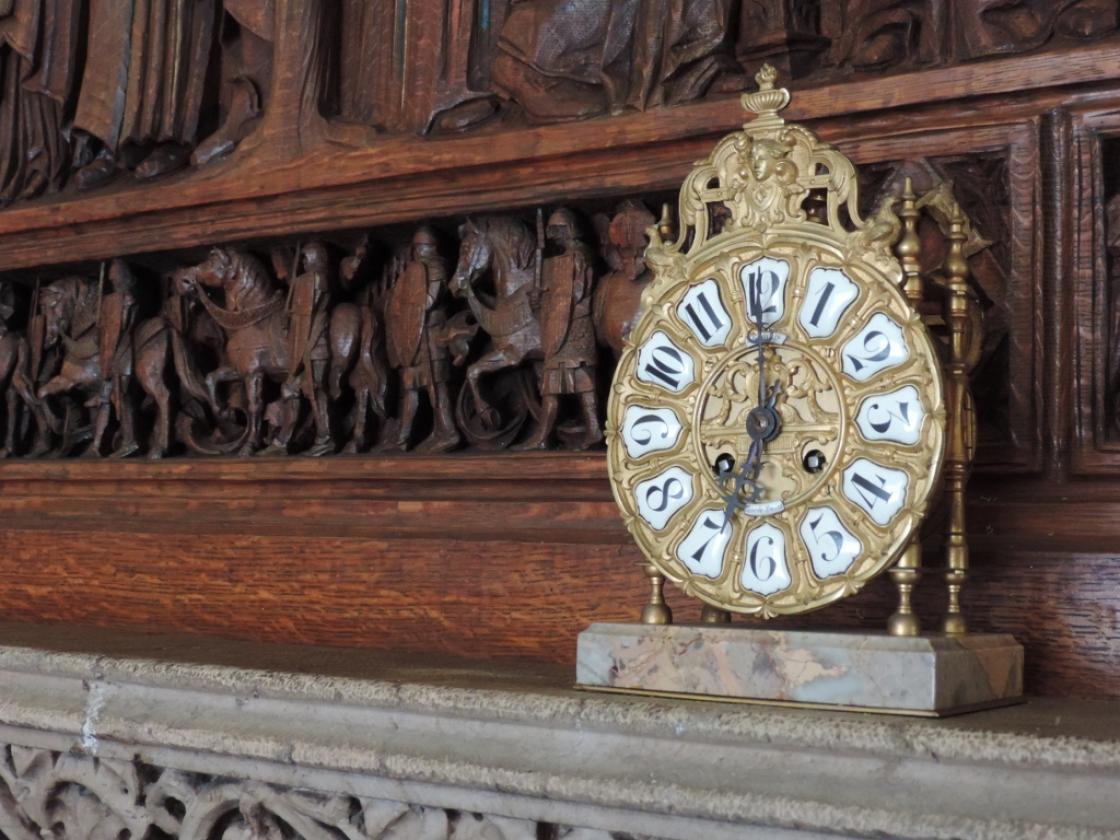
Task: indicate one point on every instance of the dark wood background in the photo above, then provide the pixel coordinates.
(512, 555)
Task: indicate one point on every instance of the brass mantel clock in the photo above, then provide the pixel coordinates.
(783, 417)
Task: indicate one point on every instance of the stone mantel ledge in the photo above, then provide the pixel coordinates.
(324, 735)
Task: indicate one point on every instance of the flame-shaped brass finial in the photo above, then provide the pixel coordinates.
(767, 101)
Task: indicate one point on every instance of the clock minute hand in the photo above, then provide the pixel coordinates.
(747, 474)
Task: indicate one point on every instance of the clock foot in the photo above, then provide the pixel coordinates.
(905, 576)
(955, 624)
(656, 611)
(714, 615)
(904, 624)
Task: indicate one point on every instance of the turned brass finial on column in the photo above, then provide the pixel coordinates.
(957, 449)
(909, 247)
(665, 223)
(907, 571)
(656, 611)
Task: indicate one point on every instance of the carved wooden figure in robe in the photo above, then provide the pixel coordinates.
(567, 335)
(568, 59)
(406, 66)
(143, 84)
(877, 34)
(415, 320)
(38, 42)
(618, 295)
(246, 70)
(991, 27)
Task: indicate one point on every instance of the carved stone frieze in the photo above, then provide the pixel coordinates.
(45, 794)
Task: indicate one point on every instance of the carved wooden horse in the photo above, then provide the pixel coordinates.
(504, 249)
(159, 345)
(69, 307)
(256, 325)
(355, 337)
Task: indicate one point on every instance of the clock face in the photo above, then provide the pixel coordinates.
(776, 424)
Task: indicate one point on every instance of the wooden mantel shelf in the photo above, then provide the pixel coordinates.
(136, 721)
(342, 180)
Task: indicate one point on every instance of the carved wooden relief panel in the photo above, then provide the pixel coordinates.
(486, 332)
(1095, 341)
(94, 93)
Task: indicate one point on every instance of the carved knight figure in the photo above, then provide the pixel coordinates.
(141, 92)
(415, 320)
(618, 296)
(357, 346)
(571, 59)
(567, 336)
(116, 320)
(309, 306)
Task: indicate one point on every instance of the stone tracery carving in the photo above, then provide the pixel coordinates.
(69, 795)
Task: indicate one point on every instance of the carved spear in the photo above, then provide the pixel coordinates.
(100, 294)
(538, 268)
(292, 278)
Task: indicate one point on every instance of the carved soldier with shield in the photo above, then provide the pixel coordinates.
(415, 322)
(567, 335)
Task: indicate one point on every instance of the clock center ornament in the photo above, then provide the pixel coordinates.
(781, 421)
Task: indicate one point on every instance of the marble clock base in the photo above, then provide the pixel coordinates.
(929, 675)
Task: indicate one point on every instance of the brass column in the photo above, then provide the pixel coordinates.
(959, 417)
(907, 571)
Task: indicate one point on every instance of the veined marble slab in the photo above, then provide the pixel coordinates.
(930, 674)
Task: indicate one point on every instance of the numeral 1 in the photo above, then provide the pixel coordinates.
(829, 294)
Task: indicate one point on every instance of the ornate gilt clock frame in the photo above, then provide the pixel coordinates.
(775, 192)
